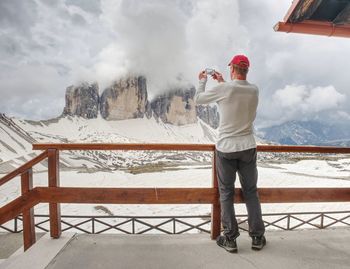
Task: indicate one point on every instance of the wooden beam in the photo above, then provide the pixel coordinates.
(54, 181)
(185, 195)
(128, 146)
(23, 168)
(128, 195)
(28, 214)
(291, 9)
(19, 205)
(314, 28)
(303, 149)
(304, 195)
(186, 147)
(304, 10)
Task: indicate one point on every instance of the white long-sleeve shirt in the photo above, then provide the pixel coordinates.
(237, 102)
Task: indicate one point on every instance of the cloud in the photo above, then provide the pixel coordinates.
(307, 99)
(47, 45)
(151, 37)
(302, 102)
(165, 40)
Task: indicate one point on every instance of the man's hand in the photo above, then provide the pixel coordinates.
(202, 74)
(218, 76)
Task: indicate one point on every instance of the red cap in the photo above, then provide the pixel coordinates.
(240, 60)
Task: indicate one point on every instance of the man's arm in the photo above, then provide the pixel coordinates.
(206, 97)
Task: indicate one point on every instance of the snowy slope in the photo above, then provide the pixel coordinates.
(188, 177)
(14, 150)
(77, 129)
(151, 169)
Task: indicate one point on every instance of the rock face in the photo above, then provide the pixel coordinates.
(175, 107)
(82, 100)
(125, 99)
(209, 115)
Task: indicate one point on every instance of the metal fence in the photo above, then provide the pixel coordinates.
(180, 224)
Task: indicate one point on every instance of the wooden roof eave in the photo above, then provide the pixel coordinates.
(314, 28)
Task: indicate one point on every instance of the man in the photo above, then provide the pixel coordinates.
(237, 101)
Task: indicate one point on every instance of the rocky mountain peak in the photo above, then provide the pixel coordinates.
(176, 106)
(82, 100)
(209, 114)
(125, 99)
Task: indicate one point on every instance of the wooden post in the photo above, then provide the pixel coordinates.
(28, 215)
(215, 208)
(54, 181)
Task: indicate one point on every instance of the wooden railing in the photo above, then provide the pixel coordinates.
(54, 194)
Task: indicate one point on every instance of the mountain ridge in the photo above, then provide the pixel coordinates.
(307, 133)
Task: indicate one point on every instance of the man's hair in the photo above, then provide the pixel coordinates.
(240, 70)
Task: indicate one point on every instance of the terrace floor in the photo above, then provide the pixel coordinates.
(285, 249)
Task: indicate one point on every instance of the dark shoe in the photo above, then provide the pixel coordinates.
(258, 242)
(224, 242)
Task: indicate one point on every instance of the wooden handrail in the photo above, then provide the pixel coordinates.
(23, 168)
(127, 146)
(163, 196)
(127, 195)
(185, 195)
(183, 147)
(54, 194)
(303, 149)
(20, 204)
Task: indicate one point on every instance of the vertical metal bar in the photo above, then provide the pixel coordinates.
(93, 225)
(15, 225)
(288, 222)
(54, 181)
(28, 215)
(133, 225)
(322, 220)
(174, 226)
(215, 208)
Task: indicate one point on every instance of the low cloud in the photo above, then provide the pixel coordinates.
(302, 102)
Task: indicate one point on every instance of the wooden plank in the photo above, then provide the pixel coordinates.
(304, 11)
(128, 146)
(23, 168)
(215, 207)
(128, 195)
(54, 181)
(19, 205)
(185, 195)
(28, 215)
(291, 9)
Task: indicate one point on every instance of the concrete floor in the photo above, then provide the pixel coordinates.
(11, 242)
(293, 249)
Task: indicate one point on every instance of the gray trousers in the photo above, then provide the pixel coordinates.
(243, 162)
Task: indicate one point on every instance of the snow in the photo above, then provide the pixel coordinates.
(12, 145)
(196, 176)
(77, 129)
(188, 176)
(318, 168)
(188, 170)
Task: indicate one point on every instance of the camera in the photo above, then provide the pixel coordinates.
(210, 71)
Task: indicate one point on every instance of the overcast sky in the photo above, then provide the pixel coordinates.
(47, 45)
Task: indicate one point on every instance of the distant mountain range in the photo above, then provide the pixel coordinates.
(307, 133)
